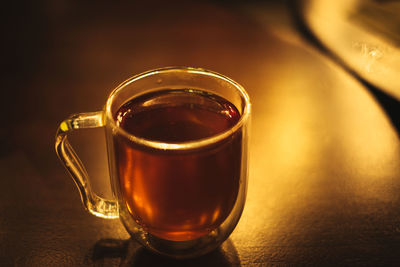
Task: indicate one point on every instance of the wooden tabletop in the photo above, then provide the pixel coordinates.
(324, 156)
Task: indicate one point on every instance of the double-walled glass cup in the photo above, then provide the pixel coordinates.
(177, 198)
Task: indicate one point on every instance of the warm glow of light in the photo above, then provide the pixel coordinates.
(216, 214)
(282, 145)
(319, 134)
(359, 33)
(135, 187)
(203, 219)
(149, 212)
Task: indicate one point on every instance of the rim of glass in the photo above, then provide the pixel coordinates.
(193, 144)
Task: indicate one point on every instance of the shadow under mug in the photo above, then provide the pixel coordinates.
(179, 199)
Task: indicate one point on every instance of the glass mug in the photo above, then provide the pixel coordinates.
(177, 150)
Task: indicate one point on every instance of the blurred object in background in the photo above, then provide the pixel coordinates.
(363, 34)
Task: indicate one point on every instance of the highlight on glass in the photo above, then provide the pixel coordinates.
(177, 142)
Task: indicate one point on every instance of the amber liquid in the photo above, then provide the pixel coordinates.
(178, 195)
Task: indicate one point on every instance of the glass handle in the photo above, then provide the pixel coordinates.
(96, 205)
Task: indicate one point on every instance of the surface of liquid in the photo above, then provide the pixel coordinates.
(178, 195)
